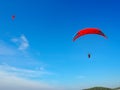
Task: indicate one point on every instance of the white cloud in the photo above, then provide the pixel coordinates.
(24, 72)
(22, 42)
(11, 82)
(12, 78)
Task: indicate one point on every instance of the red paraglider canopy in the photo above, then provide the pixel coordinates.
(88, 31)
(13, 17)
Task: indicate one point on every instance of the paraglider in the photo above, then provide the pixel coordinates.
(13, 17)
(87, 31)
(89, 55)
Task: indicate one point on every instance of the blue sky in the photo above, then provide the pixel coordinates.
(37, 45)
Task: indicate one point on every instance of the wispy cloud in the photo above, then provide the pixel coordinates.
(8, 50)
(12, 82)
(22, 42)
(22, 78)
(24, 72)
(80, 77)
(12, 78)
